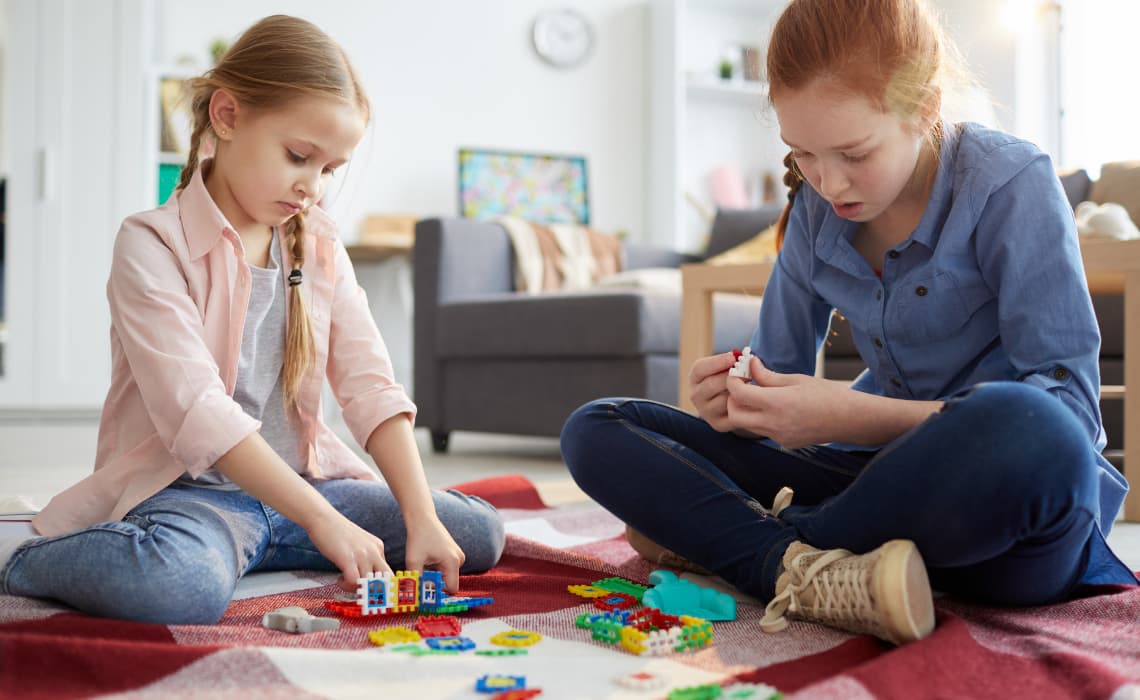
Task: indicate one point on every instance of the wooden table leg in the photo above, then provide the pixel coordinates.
(1132, 394)
(696, 337)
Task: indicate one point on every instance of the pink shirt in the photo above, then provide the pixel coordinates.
(178, 292)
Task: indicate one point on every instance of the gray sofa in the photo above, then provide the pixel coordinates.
(488, 359)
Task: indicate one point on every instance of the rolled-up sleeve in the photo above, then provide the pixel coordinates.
(359, 368)
(161, 334)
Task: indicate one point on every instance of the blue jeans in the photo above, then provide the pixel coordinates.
(998, 490)
(177, 556)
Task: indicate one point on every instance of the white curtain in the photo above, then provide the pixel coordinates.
(1099, 98)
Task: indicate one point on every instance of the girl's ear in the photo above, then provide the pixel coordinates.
(223, 113)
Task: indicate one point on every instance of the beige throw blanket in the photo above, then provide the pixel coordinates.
(560, 256)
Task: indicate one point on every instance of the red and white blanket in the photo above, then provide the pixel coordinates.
(1085, 648)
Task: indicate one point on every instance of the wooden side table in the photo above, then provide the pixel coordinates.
(1112, 267)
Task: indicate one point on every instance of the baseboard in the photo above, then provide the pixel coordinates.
(49, 415)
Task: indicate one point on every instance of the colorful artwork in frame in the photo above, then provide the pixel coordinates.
(542, 188)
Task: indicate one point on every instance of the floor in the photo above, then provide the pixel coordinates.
(37, 459)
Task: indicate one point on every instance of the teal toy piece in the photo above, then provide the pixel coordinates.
(673, 596)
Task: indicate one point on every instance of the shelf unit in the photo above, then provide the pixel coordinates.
(699, 121)
(167, 162)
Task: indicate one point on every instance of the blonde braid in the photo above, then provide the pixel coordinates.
(792, 180)
(299, 346)
(200, 111)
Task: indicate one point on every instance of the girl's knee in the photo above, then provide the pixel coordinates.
(182, 597)
(1030, 437)
(483, 541)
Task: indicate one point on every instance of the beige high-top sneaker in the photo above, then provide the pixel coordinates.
(648, 549)
(884, 592)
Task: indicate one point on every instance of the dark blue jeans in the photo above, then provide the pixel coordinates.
(998, 490)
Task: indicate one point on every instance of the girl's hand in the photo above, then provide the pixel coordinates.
(795, 410)
(430, 545)
(709, 392)
(352, 549)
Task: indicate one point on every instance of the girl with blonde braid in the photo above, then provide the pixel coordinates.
(231, 305)
(967, 456)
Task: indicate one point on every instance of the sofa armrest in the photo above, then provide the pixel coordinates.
(452, 259)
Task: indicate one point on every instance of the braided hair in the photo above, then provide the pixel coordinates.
(276, 60)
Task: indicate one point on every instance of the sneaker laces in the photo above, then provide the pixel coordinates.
(782, 500)
(839, 595)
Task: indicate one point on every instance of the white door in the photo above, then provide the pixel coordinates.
(76, 73)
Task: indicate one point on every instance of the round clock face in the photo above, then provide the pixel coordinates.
(563, 38)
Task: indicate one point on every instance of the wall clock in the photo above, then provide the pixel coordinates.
(563, 37)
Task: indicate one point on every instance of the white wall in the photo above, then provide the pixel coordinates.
(988, 49)
(3, 88)
(448, 73)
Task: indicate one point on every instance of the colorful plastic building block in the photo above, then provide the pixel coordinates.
(403, 592)
(588, 591)
(617, 601)
(751, 691)
(382, 594)
(516, 638)
(498, 684)
(459, 603)
(697, 692)
(454, 643)
(654, 643)
(431, 590)
(343, 608)
(695, 633)
(439, 626)
(743, 362)
(621, 585)
(641, 680)
(517, 694)
(393, 635)
(297, 620)
(677, 597)
(510, 651)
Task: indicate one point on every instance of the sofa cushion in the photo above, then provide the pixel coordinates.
(731, 227)
(609, 323)
(1076, 184)
(1119, 182)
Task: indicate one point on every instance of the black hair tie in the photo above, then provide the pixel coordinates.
(294, 278)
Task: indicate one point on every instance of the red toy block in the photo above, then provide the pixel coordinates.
(343, 608)
(617, 601)
(439, 626)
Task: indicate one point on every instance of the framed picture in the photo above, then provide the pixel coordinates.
(544, 188)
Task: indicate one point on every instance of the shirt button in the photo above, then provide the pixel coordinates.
(878, 294)
(878, 343)
(920, 290)
(895, 382)
(1060, 373)
(893, 254)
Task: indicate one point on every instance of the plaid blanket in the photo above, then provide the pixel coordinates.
(1085, 648)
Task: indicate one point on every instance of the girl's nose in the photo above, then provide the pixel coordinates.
(832, 182)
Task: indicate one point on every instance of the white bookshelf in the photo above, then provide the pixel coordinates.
(698, 120)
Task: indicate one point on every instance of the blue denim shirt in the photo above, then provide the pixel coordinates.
(989, 286)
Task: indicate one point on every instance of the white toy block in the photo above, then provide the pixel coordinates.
(740, 369)
(297, 620)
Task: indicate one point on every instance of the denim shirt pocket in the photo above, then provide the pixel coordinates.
(935, 308)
